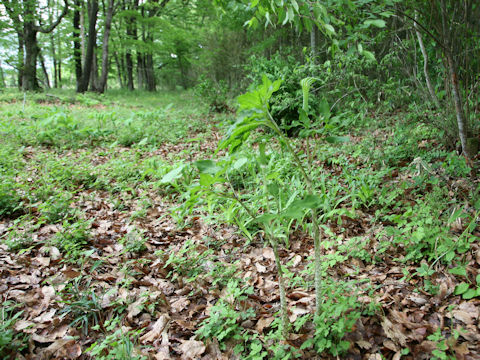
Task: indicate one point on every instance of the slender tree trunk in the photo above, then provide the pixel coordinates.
(94, 78)
(44, 69)
(140, 71)
(54, 60)
(106, 36)
(92, 36)
(425, 64)
(59, 64)
(2, 77)
(77, 42)
(20, 59)
(457, 99)
(120, 70)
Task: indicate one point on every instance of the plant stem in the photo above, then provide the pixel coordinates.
(316, 227)
(281, 285)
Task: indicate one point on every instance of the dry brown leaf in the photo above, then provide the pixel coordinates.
(268, 254)
(260, 268)
(135, 308)
(160, 325)
(192, 349)
(263, 323)
(394, 331)
(463, 316)
(180, 304)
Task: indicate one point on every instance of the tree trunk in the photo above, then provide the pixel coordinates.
(106, 36)
(94, 78)
(150, 72)
(29, 81)
(2, 77)
(140, 71)
(120, 70)
(425, 64)
(77, 46)
(44, 69)
(92, 36)
(20, 59)
(461, 123)
(54, 58)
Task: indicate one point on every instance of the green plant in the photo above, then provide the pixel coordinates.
(11, 342)
(10, 201)
(73, 238)
(117, 345)
(442, 351)
(133, 242)
(225, 316)
(339, 312)
(188, 261)
(84, 308)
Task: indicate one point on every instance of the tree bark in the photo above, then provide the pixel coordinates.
(106, 36)
(29, 81)
(77, 42)
(92, 36)
(44, 69)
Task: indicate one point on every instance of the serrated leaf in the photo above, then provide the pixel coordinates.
(368, 54)
(329, 29)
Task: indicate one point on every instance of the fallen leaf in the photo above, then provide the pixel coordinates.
(192, 349)
(263, 323)
(157, 328)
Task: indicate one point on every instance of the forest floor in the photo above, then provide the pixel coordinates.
(95, 262)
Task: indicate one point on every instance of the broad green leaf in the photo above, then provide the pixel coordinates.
(469, 294)
(368, 54)
(206, 180)
(337, 139)
(461, 288)
(249, 100)
(459, 270)
(330, 30)
(239, 163)
(207, 166)
(273, 189)
(173, 175)
(377, 23)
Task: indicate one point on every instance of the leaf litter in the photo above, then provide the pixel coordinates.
(167, 310)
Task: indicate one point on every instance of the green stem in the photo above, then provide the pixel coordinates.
(281, 285)
(316, 227)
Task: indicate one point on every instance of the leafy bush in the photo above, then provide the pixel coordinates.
(10, 201)
(215, 95)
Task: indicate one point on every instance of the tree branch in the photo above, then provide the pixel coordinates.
(50, 28)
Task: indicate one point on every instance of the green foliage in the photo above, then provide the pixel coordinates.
(225, 317)
(117, 345)
(339, 312)
(215, 95)
(11, 342)
(82, 307)
(72, 239)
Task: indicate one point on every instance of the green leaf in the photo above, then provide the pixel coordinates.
(206, 180)
(461, 288)
(239, 163)
(459, 270)
(306, 84)
(330, 30)
(469, 294)
(377, 23)
(337, 139)
(369, 55)
(173, 175)
(207, 166)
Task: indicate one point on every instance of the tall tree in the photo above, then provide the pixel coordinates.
(106, 37)
(92, 37)
(27, 22)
